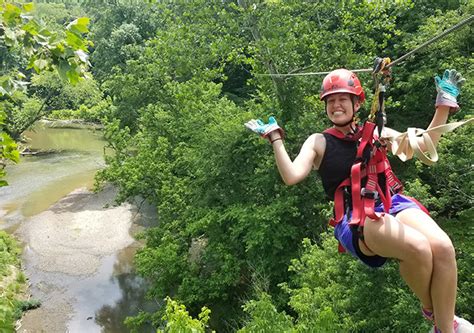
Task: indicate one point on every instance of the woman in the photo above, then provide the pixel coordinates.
(406, 233)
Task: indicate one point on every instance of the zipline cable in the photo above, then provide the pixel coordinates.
(403, 57)
(432, 40)
(314, 73)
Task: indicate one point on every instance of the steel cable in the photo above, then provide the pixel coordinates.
(396, 61)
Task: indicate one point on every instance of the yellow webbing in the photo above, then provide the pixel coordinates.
(407, 144)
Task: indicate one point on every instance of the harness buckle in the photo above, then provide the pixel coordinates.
(347, 199)
(395, 188)
(369, 194)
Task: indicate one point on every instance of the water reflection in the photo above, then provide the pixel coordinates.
(64, 139)
(133, 288)
(107, 298)
(110, 317)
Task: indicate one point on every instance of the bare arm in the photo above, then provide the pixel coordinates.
(292, 172)
(440, 118)
(448, 88)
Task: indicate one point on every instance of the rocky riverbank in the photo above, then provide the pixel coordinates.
(66, 246)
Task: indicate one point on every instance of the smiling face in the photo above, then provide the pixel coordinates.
(340, 109)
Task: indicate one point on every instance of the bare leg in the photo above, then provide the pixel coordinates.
(444, 276)
(393, 239)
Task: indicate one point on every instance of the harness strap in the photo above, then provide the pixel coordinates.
(346, 137)
(339, 202)
(363, 198)
(373, 190)
(356, 189)
(392, 183)
(367, 135)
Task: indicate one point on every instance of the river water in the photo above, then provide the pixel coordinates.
(101, 300)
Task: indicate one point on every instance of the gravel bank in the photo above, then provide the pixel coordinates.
(65, 245)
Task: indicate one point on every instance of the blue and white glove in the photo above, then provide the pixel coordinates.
(448, 89)
(259, 127)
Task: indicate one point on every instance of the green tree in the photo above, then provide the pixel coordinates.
(58, 94)
(178, 320)
(43, 50)
(224, 216)
(331, 292)
(119, 30)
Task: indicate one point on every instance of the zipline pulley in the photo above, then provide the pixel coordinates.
(381, 75)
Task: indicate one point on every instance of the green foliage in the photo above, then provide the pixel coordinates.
(61, 100)
(9, 252)
(23, 306)
(265, 317)
(59, 95)
(334, 292)
(6, 316)
(41, 50)
(421, 191)
(178, 320)
(10, 307)
(44, 49)
(21, 112)
(119, 31)
(56, 15)
(413, 85)
(454, 190)
(183, 79)
(8, 149)
(96, 114)
(462, 232)
(331, 292)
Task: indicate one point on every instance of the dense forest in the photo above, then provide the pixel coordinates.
(232, 246)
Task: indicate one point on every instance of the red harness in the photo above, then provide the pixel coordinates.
(363, 198)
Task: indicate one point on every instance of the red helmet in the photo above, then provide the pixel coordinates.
(342, 81)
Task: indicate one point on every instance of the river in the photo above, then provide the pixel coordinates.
(78, 251)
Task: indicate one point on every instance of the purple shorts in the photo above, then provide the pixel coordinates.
(349, 238)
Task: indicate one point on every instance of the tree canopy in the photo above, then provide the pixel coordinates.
(27, 47)
(181, 78)
(225, 221)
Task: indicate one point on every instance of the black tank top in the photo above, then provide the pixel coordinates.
(336, 163)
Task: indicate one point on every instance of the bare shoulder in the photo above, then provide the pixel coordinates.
(318, 144)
